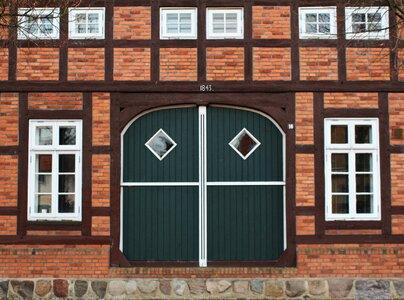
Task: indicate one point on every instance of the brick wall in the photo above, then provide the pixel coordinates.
(225, 64)
(86, 64)
(38, 64)
(397, 224)
(8, 180)
(351, 100)
(305, 179)
(305, 225)
(101, 180)
(271, 22)
(8, 225)
(178, 64)
(9, 119)
(132, 23)
(304, 118)
(101, 120)
(271, 63)
(3, 62)
(55, 101)
(396, 110)
(397, 175)
(368, 64)
(132, 64)
(400, 63)
(318, 64)
(100, 226)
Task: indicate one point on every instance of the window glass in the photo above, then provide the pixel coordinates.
(86, 23)
(317, 22)
(367, 22)
(38, 23)
(224, 23)
(178, 23)
(339, 134)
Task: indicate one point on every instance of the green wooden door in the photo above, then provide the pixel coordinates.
(203, 185)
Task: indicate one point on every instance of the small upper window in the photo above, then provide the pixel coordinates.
(178, 23)
(367, 22)
(86, 23)
(225, 23)
(318, 22)
(38, 23)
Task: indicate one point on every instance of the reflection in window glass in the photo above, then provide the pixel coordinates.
(340, 204)
(363, 134)
(339, 162)
(67, 135)
(339, 134)
(44, 135)
(161, 144)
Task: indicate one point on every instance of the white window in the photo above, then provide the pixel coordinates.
(352, 183)
(224, 23)
(178, 23)
(54, 171)
(367, 22)
(38, 23)
(86, 23)
(318, 22)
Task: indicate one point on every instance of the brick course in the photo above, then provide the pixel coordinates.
(178, 64)
(318, 64)
(305, 225)
(37, 64)
(271, 22)
(397, 175)
(305, 179)
(271, 63)
(101, 122)
(132, 23)
(9, 180)
(8, 119)
(101, 180)
(396, 110)
(3, 62)
(351, 100)
(86, 64)
(8, 225)
(400, 62)
(397, 224)
(132, 64)
(100, 226)
(225, 64)
(304, 118)
(55, 101)
(368, 64)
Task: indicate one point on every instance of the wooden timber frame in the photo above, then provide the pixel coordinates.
(274, 98)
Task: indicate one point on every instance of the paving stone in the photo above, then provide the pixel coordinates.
(339, 288)
(399, 287)
(165, 287)
(179, 287)
(317, 287)
(372, 289)
(61, 288)
(274, 288)
(117, 287)
(295, 288)
(197, 287)
(257, 286)
(23, 288)
(80, 288)
(131, 287)
(99, 288)
(217, 286)
(241, 287)
(43, 287)
(147, 286)
(3, 289)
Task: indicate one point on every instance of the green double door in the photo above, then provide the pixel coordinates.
(202, 184)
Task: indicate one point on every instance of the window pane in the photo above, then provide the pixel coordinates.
(376, 17)
(44, 183)
(81, 28)
(311, 28)
(340, 204)
(218, 17)
(324, 28)
(93, 18)
(356, 28)
(364, 183)
(67, 163)
(66, 203)
(43, 135)
(172, 18)
(374, 26)
(324, 18)
(185, 18)
(339, 162)
(339, 134)
(66, 184)
(231, 27)
(311, 18)
(358, 17)
(172, 28)
(32, 25)
(93, 29)
(43, 203)
(339, 183)
(185, 28)
(44, 163)
(231, 17)
(363, 134)
(218, 28)
(364, 204)
(80, 18)
(67, 135)
(364, 162)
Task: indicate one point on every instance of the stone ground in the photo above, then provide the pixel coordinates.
(203, 289)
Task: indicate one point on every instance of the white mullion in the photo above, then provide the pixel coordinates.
(55, 177)
(202, 188)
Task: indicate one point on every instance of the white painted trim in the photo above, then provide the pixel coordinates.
(257, 143)
(23, 33)
(239, 34)
(245, 183)
(202, 188)
(159, 183)
(82, 36)
(367, 35)
(164, 35)
(168, 137)
(331, 10)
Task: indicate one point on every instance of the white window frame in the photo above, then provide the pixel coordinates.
(81, 36)
(368, 35)
(240, 23)
(332, 10)
(164, 35)
(55, 150)
(352, 149)
(23, 34)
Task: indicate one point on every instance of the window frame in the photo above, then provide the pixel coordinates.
(55, 150)
(82, 36)
(332, 10)
(382, 34)
(210, 35)
(351, 148)
(24, 13)
(164, 35)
